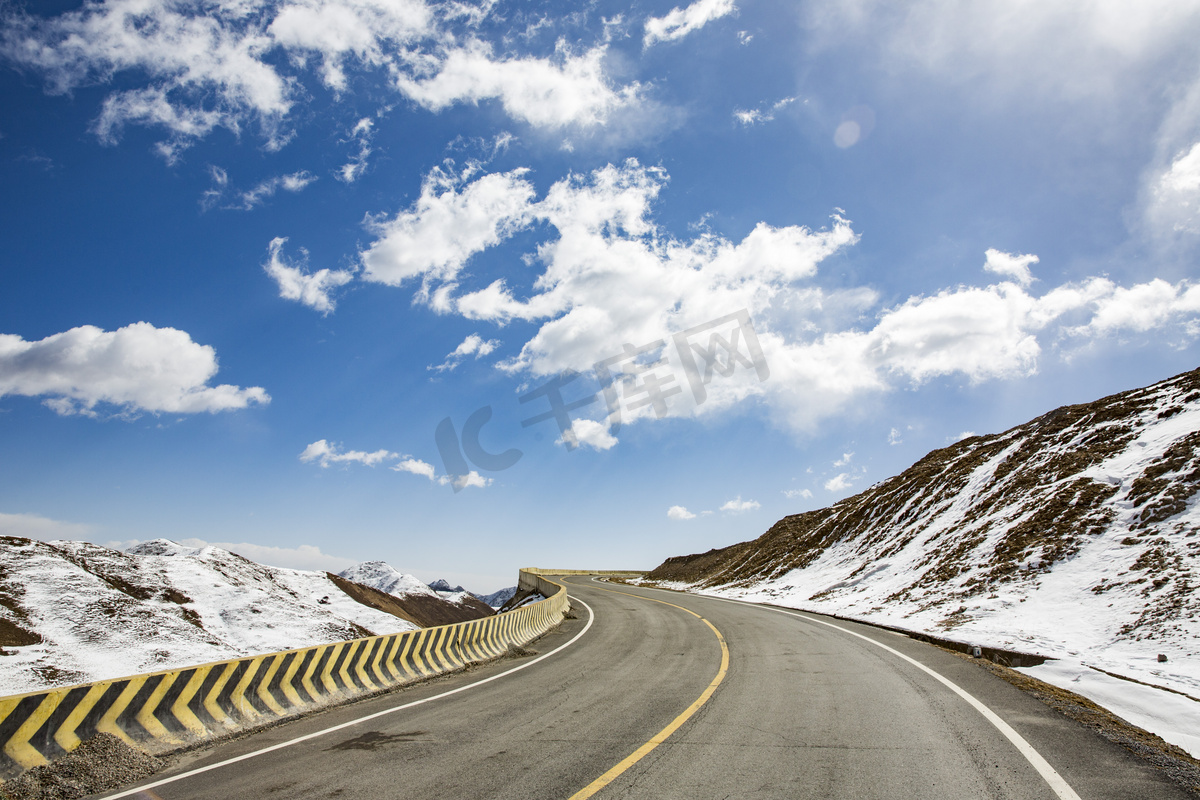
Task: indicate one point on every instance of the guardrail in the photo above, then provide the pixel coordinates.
(164, 711)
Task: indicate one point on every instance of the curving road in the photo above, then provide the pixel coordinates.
(798, 706)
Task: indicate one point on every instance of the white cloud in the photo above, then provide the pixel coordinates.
(1080, 48)
(474, 345)
(843, 480)
(745, 37)
(569, 90)
(310, 288)
(587, 431)
(794, 493)
(472, 478)
(738, 505)
(35, 526)
(327, 454)
(416, 467)
(305, 556)
(136, 368)
(1174, 206)
(757, 116)
(1140, 308)
(361, 134)
(445, 227)
(679, 512)
(964, 435)
(1010, 266)
(894, 437)
(844, 460)
(605, 274)
(294, 182)
(679, 22)
(194, 67)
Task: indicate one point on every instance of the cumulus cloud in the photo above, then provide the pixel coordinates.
(607, 275)
(135, 368)
(473, 345)
(35, 526)
(1174, 206)
(471, 479)
(326, 455)
(568, 90)
(448, 224)
(589, 432)
(679, 512)
(795, 493)
(894, 437)
(1013, 267)
(679, 22)
(839, 482)
(295, 283)
(738, 505)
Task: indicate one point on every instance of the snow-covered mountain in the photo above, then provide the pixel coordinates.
(73, 612)
(427, 604)
(442, 585)
(1076, 536)
(498, 598)
(386, 578)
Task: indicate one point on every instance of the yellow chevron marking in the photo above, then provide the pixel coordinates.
(289, 691)
(327, 672)
(306, 681)
(18, 747)
(210, 702)
(405, 658)
(360, 666)
(145, 714)
(436, 659)
(419, 662)
(108, 723)
(390, 661)
(65, 735)
(180, 707)
(239, 693)
(347, 662)
(263, 693)
(380, 677)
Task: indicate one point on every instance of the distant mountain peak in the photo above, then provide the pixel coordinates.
(442, 585)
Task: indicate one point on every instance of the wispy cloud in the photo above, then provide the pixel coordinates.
(474, 345)
(295, 283)
(35, 526)
(679, 22)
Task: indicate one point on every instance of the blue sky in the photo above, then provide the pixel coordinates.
(256, 252)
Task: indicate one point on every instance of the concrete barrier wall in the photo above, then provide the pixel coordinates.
(163, 711)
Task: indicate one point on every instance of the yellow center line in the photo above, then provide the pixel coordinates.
(661, 736)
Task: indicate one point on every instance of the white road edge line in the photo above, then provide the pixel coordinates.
(1057, 783)
(314, 735)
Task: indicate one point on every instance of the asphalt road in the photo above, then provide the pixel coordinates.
(804, 710)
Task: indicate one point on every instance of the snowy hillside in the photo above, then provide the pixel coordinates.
(73, 612)
(386, 578)
(1074, 536)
